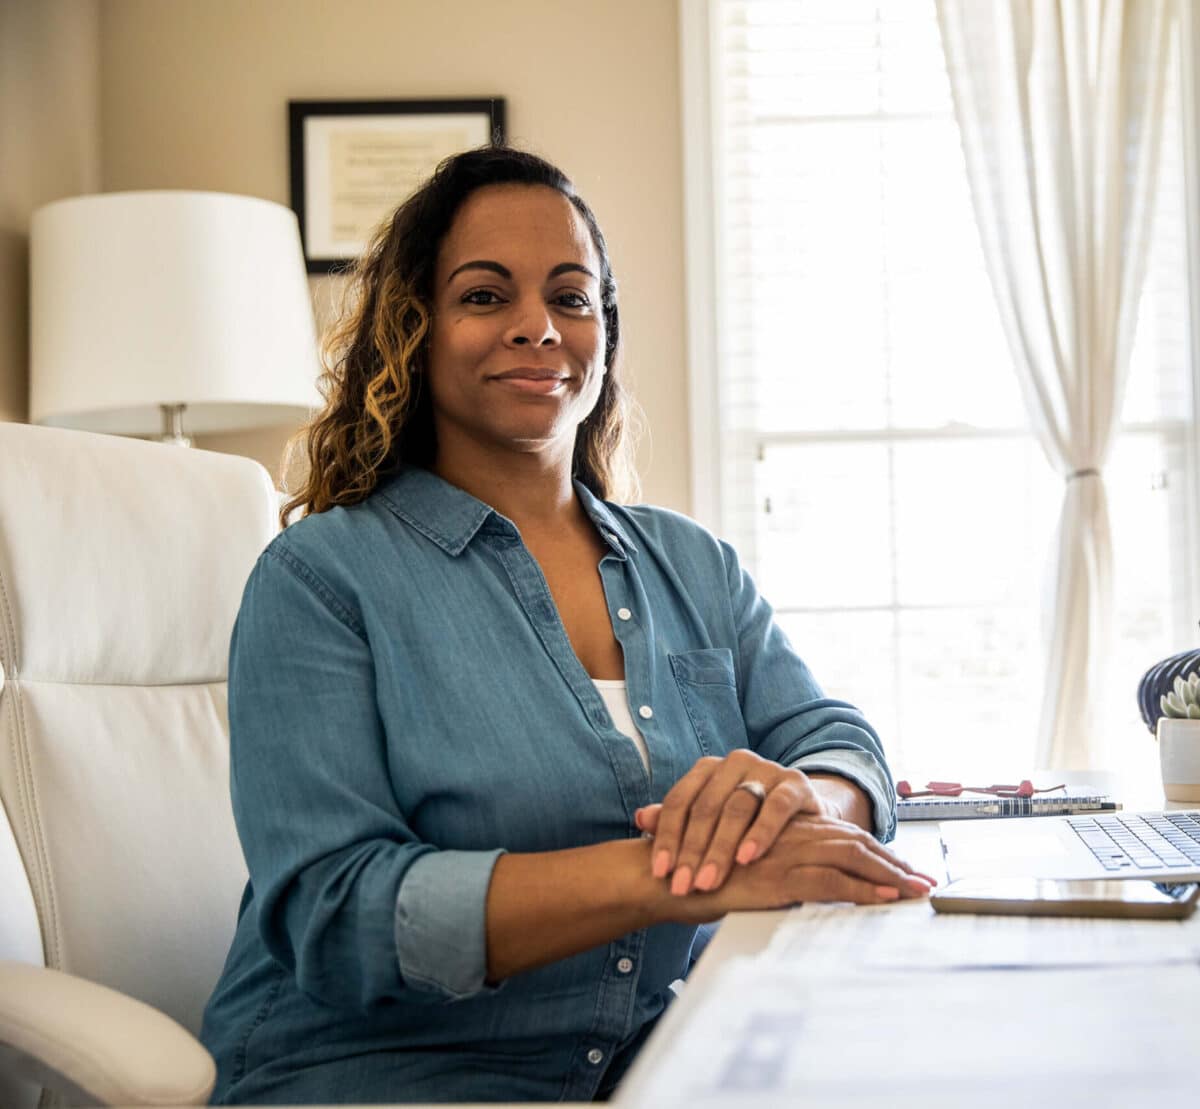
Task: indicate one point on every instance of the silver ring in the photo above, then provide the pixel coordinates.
(756, 788)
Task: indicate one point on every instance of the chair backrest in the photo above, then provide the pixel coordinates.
(122, 565)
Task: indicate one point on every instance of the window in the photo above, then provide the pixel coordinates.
(876, 469)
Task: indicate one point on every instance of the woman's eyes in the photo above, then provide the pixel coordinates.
(484, 298)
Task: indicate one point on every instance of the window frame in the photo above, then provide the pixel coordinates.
(701, 174)
(1189, 82)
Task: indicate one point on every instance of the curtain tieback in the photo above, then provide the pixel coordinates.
(1092, 472)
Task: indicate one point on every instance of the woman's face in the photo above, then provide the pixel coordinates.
(516, 350)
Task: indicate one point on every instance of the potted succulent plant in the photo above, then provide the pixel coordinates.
(1159, 680)
(1183, 702)
(1169, 699)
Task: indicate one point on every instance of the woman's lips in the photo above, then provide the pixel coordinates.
(542, 386)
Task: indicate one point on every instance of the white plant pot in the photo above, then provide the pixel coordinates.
(1179, 756)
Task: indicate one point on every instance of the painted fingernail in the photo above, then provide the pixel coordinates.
(682, 881)
(662, 863)
(747, 851)
(887, 893)
(707, 878)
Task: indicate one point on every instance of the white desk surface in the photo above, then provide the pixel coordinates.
(749, 933)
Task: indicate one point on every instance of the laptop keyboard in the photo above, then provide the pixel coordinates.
(1133, 841)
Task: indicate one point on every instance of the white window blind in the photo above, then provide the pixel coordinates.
(878, 474)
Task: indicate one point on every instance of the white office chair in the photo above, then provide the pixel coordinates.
(122, 565)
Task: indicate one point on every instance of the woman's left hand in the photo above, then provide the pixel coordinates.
(710, 817)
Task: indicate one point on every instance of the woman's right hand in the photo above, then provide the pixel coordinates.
(814, 859)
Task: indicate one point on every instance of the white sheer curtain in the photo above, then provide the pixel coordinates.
(1059, 103)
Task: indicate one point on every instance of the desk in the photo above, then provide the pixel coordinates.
(747, 934)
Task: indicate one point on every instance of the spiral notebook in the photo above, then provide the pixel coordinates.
(987, 807)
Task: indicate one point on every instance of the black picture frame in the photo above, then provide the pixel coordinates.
(353, 192)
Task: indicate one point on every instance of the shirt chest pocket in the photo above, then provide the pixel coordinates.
(708, 685)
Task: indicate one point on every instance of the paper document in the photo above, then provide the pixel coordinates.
(772, 1033)
(912, 936)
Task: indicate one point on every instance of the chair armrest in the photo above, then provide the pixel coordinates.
(96, 1045)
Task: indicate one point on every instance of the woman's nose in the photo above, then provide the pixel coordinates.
(532, 326)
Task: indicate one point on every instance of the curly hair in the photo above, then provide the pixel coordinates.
(377, 415)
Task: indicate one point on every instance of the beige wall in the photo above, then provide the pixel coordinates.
(49, 148)
(194, 95)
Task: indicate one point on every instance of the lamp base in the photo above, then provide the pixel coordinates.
(173, 425)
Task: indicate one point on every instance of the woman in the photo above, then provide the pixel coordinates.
(499, 745)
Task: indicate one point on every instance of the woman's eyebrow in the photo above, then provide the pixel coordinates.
(505, 272)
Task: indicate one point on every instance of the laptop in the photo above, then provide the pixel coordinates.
(1160, 846)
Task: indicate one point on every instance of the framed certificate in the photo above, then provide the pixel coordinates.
(354, 161)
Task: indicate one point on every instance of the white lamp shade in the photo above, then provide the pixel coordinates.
(149, 298)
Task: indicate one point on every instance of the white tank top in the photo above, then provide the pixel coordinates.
(617, 704)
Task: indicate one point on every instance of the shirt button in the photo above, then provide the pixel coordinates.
(595, 1057)
(645, 712)
(623, 614)
(625, 965)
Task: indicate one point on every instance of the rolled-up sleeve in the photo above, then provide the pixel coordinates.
(329, 852)
(788, 718)
(861, 769)
(441, 938)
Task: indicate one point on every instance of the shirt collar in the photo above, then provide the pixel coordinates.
(606, 523)
(441, 511)
(451, 517)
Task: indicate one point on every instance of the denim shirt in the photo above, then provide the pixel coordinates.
(405, 706)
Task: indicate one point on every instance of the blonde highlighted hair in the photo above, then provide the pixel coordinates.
(377, 416)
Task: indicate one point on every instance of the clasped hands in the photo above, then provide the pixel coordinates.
(711, 835)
